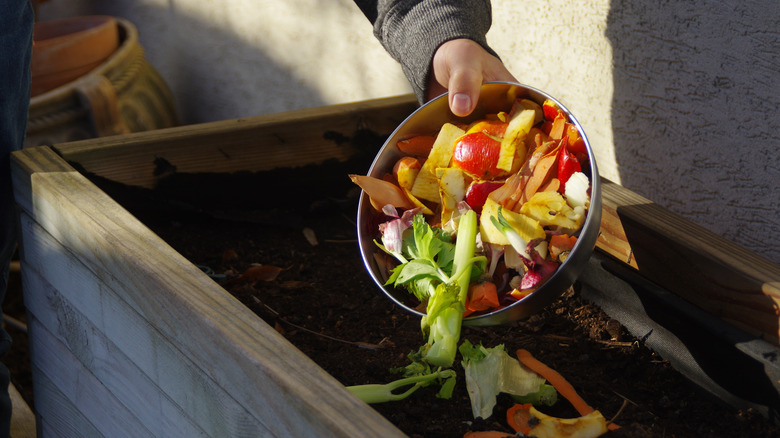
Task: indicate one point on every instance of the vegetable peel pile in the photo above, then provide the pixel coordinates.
(474, 218)
(523, 173)
(527, 381)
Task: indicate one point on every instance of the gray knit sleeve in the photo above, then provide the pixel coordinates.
(412, 30)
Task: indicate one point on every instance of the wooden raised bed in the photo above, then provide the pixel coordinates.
(128, 338)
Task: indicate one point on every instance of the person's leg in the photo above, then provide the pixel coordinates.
(16, 26)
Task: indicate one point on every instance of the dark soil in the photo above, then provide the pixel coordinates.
(325, 303)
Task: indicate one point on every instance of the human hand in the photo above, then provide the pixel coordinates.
(461, 66)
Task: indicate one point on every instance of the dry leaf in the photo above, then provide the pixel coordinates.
(294, 284)
(258, 273)
(229, 255)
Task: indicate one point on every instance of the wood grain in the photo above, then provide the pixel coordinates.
(218, 339)
(290, 139)
(81, 394)
(56, 414)
(715, 274)
(124, 355)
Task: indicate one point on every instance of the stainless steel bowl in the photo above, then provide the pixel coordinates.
(494, 97)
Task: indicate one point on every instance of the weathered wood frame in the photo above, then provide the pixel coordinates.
(130, 339)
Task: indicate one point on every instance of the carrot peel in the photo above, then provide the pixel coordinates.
(418, 145)
(556, 380)
(559, 382)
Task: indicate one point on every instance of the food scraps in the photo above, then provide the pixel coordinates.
(523, 172)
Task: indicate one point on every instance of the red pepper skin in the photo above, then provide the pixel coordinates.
(551, 110)
(478, 192)
(567, 163)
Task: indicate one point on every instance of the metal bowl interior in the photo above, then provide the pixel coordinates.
(494, 97)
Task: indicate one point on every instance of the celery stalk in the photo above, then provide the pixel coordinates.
(435, 270)
(381, 393)
(444, 315)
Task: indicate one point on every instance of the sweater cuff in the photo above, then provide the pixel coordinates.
(412, 31)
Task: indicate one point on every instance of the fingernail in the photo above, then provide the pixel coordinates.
(461, 104)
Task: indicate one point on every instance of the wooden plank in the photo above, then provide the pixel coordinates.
(717, 275)
(248, 144)
(66, 421)
(130, 358)
(46, 430)
(85, 293)
(82, 394)
(228, 343)
(612, 237)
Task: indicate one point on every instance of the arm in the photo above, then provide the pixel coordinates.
(441, 44)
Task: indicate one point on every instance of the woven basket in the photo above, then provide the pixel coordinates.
(121, 95)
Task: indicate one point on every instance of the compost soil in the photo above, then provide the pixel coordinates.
(302, 273)
(299, 269)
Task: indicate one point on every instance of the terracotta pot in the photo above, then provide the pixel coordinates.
(65, 49)
(123, 94)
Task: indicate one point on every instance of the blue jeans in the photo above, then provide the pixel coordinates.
(16, 26)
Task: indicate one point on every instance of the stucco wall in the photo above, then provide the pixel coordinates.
(679, 99)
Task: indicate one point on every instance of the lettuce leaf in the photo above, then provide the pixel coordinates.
(491, 371)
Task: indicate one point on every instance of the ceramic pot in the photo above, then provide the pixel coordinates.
(123, 94)
(66, 49)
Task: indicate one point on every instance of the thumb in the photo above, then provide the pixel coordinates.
(464, 86)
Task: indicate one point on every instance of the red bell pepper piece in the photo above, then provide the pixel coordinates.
(551, 110)
(568, 164)
(478, 192)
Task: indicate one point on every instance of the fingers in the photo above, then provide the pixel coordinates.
(461, 66)
(464, 82)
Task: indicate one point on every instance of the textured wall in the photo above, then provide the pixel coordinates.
(679, 99)
(235, 58)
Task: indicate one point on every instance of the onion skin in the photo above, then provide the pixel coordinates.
(382, 192)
